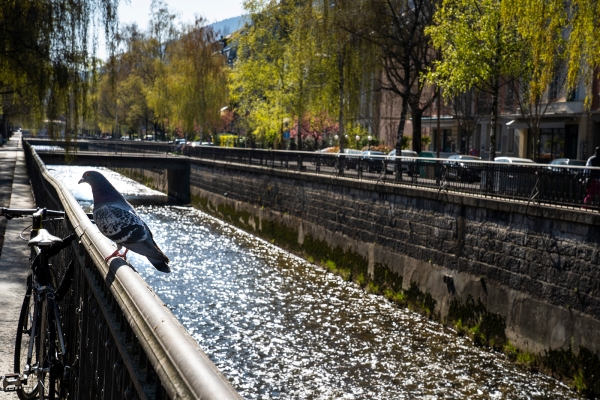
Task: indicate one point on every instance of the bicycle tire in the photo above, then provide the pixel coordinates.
(49, 355)
(24, 335)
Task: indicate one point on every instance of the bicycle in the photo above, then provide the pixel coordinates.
(41, 367)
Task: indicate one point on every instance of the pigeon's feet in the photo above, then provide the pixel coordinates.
(117, 254)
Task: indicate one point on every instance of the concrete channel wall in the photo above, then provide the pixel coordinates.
(537, 267)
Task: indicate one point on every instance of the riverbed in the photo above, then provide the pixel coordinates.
(279, 327)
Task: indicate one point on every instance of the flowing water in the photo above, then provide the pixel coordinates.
(279, 327)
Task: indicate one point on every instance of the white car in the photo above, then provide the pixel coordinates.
(390, 163)
(514, 160)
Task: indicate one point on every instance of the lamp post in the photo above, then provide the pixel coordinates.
(357, 139)
(369, 138)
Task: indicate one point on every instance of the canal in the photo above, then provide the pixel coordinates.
(279, 327)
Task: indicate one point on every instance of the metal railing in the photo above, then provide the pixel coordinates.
(103, 147)
(556, 185)
(122, 341)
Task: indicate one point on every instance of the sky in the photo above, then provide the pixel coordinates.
(212, 10)
(138, 11)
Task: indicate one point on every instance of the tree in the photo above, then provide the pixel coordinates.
(479, 49)
(196, 79)
(468, 109)
(45, 53)
(583, 44)
(540, 25)
(398, 29)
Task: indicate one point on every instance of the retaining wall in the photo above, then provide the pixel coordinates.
(538, 267)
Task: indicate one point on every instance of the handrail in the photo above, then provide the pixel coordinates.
(182, 367)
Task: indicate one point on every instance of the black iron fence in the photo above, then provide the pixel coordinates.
(568, 186)
(103, 146)
(559, 185)
(122, 342)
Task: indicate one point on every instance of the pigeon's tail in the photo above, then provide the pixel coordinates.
(149, 249)
(160, 264)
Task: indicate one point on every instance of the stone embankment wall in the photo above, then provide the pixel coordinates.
(537, 267)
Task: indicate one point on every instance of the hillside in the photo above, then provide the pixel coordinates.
(228, 26)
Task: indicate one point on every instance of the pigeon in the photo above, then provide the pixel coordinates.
(117, 220)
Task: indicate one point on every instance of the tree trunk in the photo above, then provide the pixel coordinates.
(341, 115)
(299, 131)
(417, 115)
(401, 124)
(495, 95)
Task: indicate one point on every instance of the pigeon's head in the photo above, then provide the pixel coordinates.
(102, 189)
(92, 178)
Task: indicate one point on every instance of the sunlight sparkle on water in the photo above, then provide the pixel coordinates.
(280, 328)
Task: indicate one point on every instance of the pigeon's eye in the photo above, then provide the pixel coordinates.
(87, 174)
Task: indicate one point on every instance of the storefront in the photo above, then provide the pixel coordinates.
(558, 138)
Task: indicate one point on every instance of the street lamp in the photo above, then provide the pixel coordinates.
(369, 138)
(357, 139)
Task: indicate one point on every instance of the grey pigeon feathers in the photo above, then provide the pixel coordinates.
(119, 222)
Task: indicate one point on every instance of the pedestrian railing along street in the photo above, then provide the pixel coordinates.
(556, 185)
(552, 185)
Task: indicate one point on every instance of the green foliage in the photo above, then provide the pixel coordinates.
(46, 59)
(330, 265)
(288, 67)
(583, 43)
(583, 368)
(477, 44)
(228, 140)
(419, 300)
(425, 141)
(479, 49)
(190, 88)
(407, 139)
(372, 287)
(484, 327)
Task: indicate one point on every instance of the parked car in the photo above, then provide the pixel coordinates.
(513, 178)
(514, 160)
(352, 157)
(567, 161)
(429, 168)
(373, 160)
(390, 161)
(459, 170)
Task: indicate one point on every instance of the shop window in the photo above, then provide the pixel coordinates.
(510, 141)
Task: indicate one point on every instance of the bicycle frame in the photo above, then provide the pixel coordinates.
(46, 340)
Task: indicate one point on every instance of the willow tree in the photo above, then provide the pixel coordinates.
(540, 25)
(479, 49)
(46, 52)
(258, 82)
(354, 57)
(583, 44)
(196, 80)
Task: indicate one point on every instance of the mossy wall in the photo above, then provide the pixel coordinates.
(154, 179)
(509, 275)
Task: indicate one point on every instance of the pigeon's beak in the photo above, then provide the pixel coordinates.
(80, 181)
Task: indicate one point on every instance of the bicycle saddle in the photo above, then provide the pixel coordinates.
(44, 238)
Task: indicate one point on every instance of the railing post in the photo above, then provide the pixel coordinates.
(318, 163)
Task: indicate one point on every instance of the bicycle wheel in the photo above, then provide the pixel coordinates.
(24, 337)
(50, 365)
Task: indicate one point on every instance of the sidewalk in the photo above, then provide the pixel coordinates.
(15, 192)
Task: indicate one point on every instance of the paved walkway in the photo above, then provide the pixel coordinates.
(15, 192)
